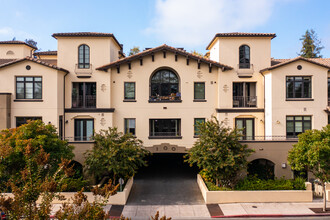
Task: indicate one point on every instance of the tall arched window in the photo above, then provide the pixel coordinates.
(244, 57)
(83, 57)
(164, 85)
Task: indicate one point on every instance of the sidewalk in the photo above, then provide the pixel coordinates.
(233, 210)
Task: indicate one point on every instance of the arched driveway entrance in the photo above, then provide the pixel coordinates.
(166, 181)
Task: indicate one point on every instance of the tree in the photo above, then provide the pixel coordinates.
(31, 42)
(134, 50)
(312, 152)
(115, 154)
(219, 152)
(36, 133)
(35, 183)
(311, 45)
(197, 53)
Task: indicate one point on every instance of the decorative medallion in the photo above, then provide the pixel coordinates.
(226, 121)
(129, 74)
(103, 87)
(199, 74)
(225, 88)
(103, 121)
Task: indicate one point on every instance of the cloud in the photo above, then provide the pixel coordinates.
(7, 33)
(194, 22)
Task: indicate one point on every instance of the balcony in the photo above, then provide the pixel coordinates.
(83, 72)
(244, 101)
(87, 101)
(245, 71)
(170, 98)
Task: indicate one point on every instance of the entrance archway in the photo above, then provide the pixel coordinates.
(261, 168)
(167, 180)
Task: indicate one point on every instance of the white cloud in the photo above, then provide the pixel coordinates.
(194, 22)
(6, 31)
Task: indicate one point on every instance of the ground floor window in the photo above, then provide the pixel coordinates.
(83, 129)
(196, 122)
(24, 120)
(297, 124)
(247, 126)
(130, 125)
(262, 169)
(165, 127)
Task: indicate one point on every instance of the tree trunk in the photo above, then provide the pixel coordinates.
(217, 181)
(324, 197)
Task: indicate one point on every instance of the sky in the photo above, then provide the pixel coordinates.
(179, 23)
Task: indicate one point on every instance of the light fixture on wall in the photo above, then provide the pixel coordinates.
(283, 165)
(66, 121)
(278, 122)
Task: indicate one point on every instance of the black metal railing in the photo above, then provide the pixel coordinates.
(244, 101)
(269, 138)
(328, 101)
(164, 98)
(87, 101)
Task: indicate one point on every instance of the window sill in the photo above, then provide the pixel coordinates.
(81, 142)
(129, 100)
(199, 100)
(196, 136)
(165, 101)
(28, 100)
(165, 137)
(299, 99)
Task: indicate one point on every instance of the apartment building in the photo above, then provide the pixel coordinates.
(161, 93)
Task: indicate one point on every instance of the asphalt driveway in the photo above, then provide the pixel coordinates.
(166, 181)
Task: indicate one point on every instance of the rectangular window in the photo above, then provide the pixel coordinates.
(129, 90)
(196, 122)
(60, 127)
(83, 129)
(247, 126)
(328, 91)
(298, 87)
(297, 124)
(165, 127)
(24, 120)
(28, 87)
(130, 125)
(199, 90)
(84, 95)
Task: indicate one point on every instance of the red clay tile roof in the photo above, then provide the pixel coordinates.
(275, 63)
(86, 34)
(45, 53)
(241, 34)
(17, 42)
(42, 62)
(49, 61)
(3, 61)
(163, 47)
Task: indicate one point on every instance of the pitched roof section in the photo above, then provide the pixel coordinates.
(324, 62)
(86, 34)
(45, 53)
(163, 47)
(35, 61)
(3, 61)
(17, 42)
(240, 34)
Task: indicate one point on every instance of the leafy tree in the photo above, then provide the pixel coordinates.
(219, 152)
(35, 183)
(36, 133)
(31, 42)
(134, 50)
(311, 45)
(197, 53)
(115, 154)
(312, 152)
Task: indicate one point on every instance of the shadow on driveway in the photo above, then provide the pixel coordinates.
(166, 181)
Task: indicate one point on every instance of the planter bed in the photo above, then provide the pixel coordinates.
(120, 198)
(211, 197)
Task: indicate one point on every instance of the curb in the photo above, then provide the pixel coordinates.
(271, 215)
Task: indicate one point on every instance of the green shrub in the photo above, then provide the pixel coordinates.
(75, 185)
(277, 184)
(212, 187)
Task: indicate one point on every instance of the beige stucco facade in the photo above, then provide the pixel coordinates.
(264, 100)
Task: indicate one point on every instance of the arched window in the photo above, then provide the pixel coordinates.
(164, 85)
(244, 57)
(83, 57)
(262, 168)
(9, 52)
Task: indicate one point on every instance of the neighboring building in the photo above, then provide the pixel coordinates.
(161, 93)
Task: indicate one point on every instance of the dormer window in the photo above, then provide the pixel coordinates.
(244, 57)
(83, 57)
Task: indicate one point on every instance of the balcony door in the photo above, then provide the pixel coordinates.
(244, 94)
(247, 126)
(84, 95)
